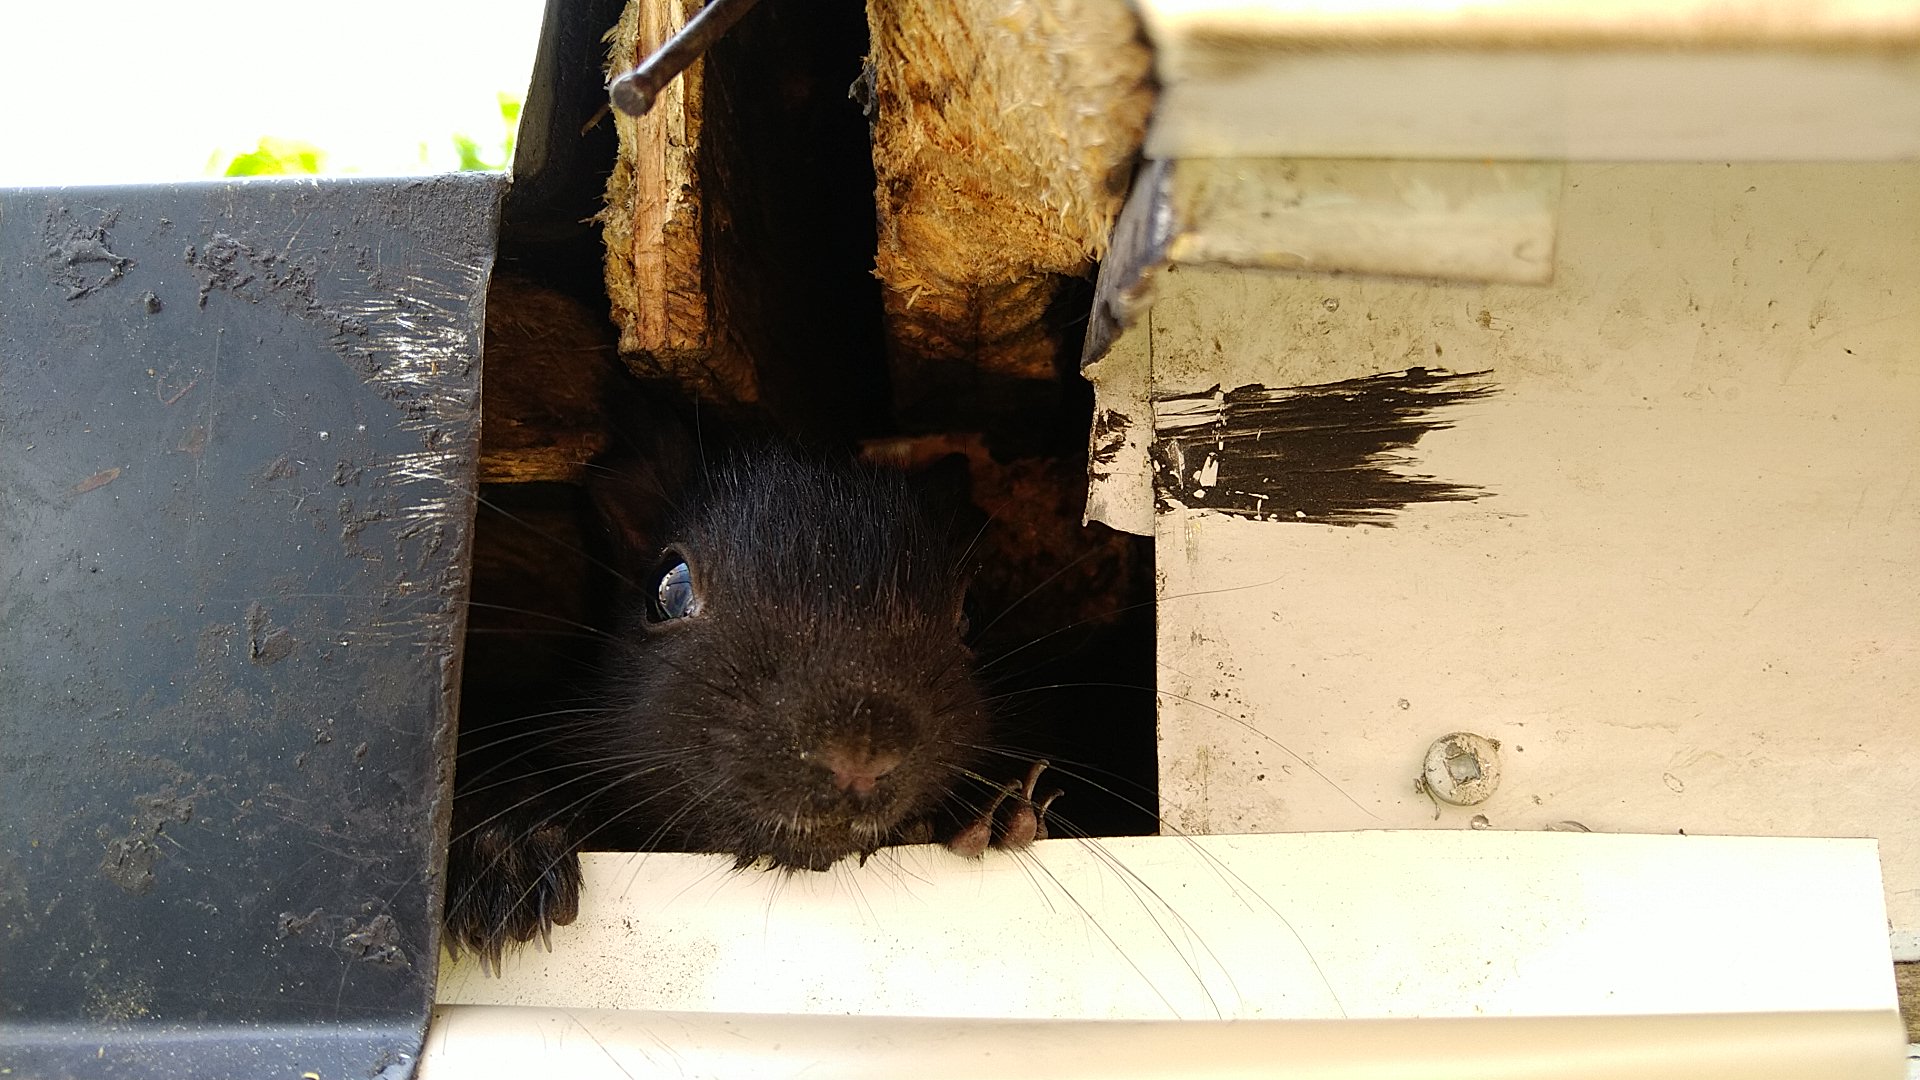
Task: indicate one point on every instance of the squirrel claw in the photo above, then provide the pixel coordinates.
(1025, 823)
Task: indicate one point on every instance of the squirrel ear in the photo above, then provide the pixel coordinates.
(939, 474)
(633, 502)
(654, 454)
(944, 487)
(663, 443)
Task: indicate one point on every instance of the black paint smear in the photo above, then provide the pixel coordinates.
(1332, 453)
(1108, 439)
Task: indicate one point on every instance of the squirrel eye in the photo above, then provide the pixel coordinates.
(673, 594)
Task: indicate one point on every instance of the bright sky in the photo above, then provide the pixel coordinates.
(141, 90)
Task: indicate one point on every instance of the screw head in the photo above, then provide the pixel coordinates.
(1462, 768)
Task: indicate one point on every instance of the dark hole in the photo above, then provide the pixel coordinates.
(798, 185)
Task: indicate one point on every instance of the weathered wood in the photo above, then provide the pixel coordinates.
(543, 414)
(1907, 978)
(563, 462)
(1004, 134)
(656, 257)
(739, 220)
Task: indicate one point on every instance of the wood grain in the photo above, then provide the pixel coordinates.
(653, 223)
(1004, 137)
(543, 411)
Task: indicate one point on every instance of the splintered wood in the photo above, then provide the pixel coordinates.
(1004, 136)
(656, 278)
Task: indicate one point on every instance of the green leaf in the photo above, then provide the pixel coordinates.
(278, 157)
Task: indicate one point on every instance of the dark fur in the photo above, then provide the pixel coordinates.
(830, 630)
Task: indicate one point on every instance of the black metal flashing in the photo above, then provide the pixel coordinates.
(238, 429)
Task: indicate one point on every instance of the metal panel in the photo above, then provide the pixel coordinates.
(1324, 926)
(1687, 599)
(1627, 80)
(237, 443)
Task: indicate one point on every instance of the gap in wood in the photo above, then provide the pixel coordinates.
(789, 234)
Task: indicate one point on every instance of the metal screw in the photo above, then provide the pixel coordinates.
(1461, 769)
(633, 92)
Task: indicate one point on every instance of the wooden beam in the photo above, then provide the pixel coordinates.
(543, 413)
(1004, 137)
(653, 223)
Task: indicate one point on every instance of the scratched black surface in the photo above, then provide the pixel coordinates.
(1337, 453)
(237, 429)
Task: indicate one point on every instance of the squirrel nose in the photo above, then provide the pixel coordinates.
(856, 771)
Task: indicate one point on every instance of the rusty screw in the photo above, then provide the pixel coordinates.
(1462, 769)
(633, 92)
